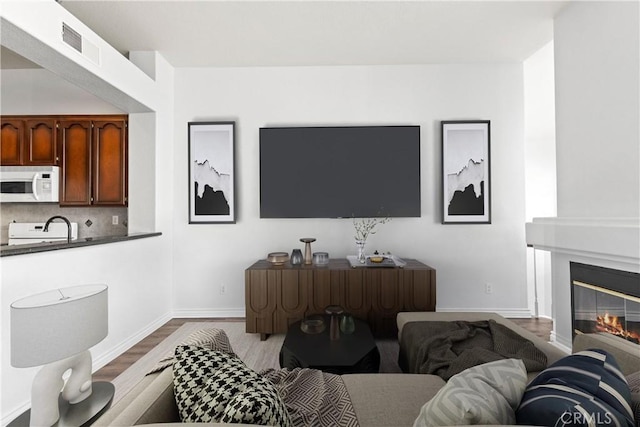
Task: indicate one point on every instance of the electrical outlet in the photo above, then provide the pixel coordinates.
(488, 288)
(114, 220)
(222, 289)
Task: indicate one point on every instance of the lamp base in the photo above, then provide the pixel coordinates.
(83, 413)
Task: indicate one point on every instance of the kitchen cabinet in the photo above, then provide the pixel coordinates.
(41, 142)
(75, 150)
(94, 161)
(29, 141)
(109, 162)
(11, 142)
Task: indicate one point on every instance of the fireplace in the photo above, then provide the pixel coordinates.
(605, 300)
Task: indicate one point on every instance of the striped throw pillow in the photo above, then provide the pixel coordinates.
(634, 385)
(484, 394)
(583, 389)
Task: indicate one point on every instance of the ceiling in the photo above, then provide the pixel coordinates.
(309, 33)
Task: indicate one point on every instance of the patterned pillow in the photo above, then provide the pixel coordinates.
(484, 394)
(585, 388)
(212, 386)
(212, 338)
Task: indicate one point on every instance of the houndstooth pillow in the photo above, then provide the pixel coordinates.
(211, 386)
(212, 338)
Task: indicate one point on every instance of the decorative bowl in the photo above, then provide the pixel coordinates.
(320, 258)
(312, 325)
(278, 258)
(376, 258)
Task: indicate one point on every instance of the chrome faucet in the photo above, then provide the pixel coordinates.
(50, 220)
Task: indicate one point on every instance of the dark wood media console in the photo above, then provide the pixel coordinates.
(277, 296)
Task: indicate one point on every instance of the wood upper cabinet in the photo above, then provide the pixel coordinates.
(29, 141)
(90, 150)
(11, 142)
(94, 162)
(41, 142)
(109, 163)
(75, 149)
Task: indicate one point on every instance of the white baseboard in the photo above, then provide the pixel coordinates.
(15, 413)
(218, 313)
(102, 359)
(560, 342)
(521, 313)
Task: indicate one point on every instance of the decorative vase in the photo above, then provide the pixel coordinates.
(347, 324)
(334, 311)
(296, 257)
(361, 256)
(307, 248)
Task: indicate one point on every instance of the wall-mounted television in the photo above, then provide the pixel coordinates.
(340, 172)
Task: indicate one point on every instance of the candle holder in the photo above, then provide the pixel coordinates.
(321, 259)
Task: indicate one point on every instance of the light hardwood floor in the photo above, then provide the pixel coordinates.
(540, 327)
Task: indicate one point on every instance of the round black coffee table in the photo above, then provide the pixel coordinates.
(351, 353)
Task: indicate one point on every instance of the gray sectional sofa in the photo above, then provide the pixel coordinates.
(378, 399)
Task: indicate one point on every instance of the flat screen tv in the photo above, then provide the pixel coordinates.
(340, 172)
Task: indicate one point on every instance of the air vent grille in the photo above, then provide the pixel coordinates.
(71, 37)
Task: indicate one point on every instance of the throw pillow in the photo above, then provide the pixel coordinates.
(585, 388)
(634, 385)
(484, 394)
(213, 386)
(212, 338)
(634, 382)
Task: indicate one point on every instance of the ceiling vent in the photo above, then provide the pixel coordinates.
(85, 47)
(71, 37)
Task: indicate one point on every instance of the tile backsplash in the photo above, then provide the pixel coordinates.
(92, 222)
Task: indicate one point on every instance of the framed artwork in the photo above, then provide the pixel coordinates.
(466, 172)
(212, 178)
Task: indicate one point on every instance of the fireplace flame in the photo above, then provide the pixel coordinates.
(611, 324)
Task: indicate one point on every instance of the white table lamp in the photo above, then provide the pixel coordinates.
(56, 329)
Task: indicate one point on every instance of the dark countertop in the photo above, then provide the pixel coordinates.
(7, 250)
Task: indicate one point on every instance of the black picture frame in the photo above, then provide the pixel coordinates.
(212, 176)
(466, 172)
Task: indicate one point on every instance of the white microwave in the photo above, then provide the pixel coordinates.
(29, 183)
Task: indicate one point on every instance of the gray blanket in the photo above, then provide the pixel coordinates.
(313, 398)
(447, 348)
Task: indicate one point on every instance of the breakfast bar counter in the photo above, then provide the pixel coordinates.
(11, 250)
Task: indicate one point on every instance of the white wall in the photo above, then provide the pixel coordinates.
(465, 256)
(139, 299)
(597, 57)
(540, 167)
(138, 272)
(597, 109)
(540, 137)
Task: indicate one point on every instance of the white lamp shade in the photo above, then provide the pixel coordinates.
(57, 324)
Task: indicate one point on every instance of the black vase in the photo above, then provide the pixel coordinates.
(296, 257)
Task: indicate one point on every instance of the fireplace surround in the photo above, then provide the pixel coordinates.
(605, 300)
(607, 242)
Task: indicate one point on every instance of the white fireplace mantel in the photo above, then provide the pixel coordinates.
(612, 239)
(606, 242)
